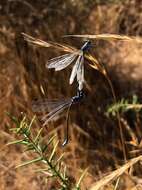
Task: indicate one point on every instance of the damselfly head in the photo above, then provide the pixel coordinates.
(80, 93)
(78, 97)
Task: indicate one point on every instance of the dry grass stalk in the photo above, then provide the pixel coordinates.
(115, 174)
(109, 37)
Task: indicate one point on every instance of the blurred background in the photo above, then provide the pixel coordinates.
(94, 137)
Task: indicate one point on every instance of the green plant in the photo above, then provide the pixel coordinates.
(124, 105)
(44, 153)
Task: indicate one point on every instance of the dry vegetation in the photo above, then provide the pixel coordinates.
(94, 137)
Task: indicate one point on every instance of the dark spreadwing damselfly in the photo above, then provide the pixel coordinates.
(55, 107)
(61, 62)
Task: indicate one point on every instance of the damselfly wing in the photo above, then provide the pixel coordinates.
(50, 108)
(54, 108)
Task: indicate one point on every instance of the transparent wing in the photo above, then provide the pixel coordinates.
(45, 105)
(80, 75)
(42, 43)
(75, 68)
(48, 117)
(61, 62)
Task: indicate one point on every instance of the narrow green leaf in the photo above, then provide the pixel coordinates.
(81, 177)
(29, 162)
(44, 148)
(51, 139)
(46, 171)
(14, 142)
(64, 172)
(29, 147)
(13, 130)
(24, 142)
(42, 169)
(22, 123)
(53, 151)
(60, 158)
(38, 135)
(30, 125)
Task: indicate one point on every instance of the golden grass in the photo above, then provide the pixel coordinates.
(108, 37)
(115, 174)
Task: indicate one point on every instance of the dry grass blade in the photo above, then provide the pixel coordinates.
(95, 64)
(115, 174)
(109, 37)
(35, 41)
(38, 42)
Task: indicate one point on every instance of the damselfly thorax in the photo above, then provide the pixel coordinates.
(56, 107)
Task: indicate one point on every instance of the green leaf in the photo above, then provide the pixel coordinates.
(29, 162)
(30, 125)
(38, 135)
(46, 171)
(22, 123)
(53, 151)
(59, 159)
(64, 172)
(81, 178)
(42, 169)
(30, 146)
(44, 148)
(51, 139)
(15, 142)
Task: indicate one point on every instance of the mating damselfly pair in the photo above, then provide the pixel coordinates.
(59, 63)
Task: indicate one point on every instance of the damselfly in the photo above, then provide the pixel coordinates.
(55, 107)
(61, 62)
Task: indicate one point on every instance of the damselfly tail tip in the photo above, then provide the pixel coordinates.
(65, 142)
(70, 81)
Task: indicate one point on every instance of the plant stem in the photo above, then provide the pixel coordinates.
(53, 168)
